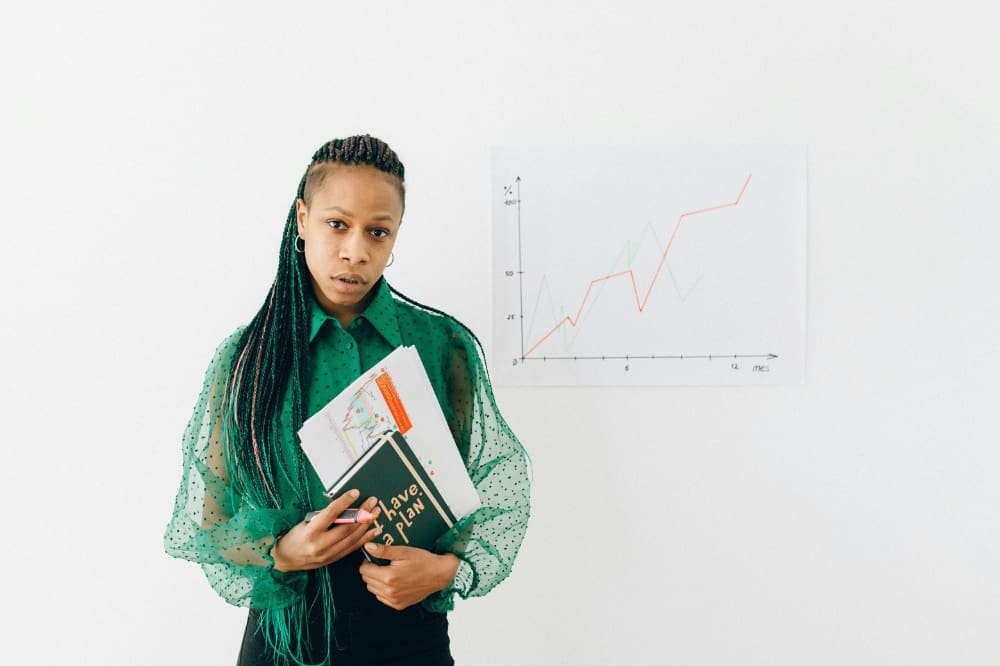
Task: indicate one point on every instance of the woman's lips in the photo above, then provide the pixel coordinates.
(350, 280)
(349, 283)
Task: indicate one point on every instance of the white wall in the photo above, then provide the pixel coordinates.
(150, 152)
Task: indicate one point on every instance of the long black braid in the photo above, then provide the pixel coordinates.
(273, 348)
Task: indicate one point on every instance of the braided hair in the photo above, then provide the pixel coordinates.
(273, 349)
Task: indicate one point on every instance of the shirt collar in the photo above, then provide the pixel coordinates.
(380, 313)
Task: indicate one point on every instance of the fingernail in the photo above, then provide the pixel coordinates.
(373, 547)
(370, 503)
(355, 493)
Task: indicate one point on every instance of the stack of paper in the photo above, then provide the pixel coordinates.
(395, 395)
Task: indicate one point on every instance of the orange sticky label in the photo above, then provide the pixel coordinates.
(388, 389)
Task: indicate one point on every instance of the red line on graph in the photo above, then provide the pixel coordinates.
(641, 305)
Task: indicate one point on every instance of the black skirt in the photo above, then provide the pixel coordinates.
(364, 631)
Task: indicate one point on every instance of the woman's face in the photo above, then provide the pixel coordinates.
(348, 230)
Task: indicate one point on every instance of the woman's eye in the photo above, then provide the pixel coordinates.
(379, 233)
(336, 224)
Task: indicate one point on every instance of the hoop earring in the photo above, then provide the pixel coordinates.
(392, 258)
(295, 244)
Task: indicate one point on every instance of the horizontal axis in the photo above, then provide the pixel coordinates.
(648, 357)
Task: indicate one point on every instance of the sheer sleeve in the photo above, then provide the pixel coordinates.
(487, 541)
(211, 524)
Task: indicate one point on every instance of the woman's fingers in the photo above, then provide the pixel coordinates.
(324, 519)
(321, 541)
(343, 539)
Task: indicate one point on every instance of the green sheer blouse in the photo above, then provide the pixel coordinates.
(231, 540)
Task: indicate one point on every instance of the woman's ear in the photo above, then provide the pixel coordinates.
(301, 213)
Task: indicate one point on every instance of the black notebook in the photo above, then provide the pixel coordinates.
(413, 511)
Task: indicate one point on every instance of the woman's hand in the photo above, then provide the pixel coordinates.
(411, 575)
(315, 544)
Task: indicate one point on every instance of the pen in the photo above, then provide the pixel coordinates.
(348, 516)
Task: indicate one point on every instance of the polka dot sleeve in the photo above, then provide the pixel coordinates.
(211, 524)
(487, 541)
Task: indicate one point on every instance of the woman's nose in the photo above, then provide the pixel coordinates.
(353, 248)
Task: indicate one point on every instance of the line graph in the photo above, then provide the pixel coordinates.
(723, 225)
(640, 305)
(627, 257)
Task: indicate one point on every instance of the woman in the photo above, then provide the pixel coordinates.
(329, 316)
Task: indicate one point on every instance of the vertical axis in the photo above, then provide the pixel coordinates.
(520, 268)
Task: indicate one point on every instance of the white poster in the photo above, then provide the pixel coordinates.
(649, 265)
